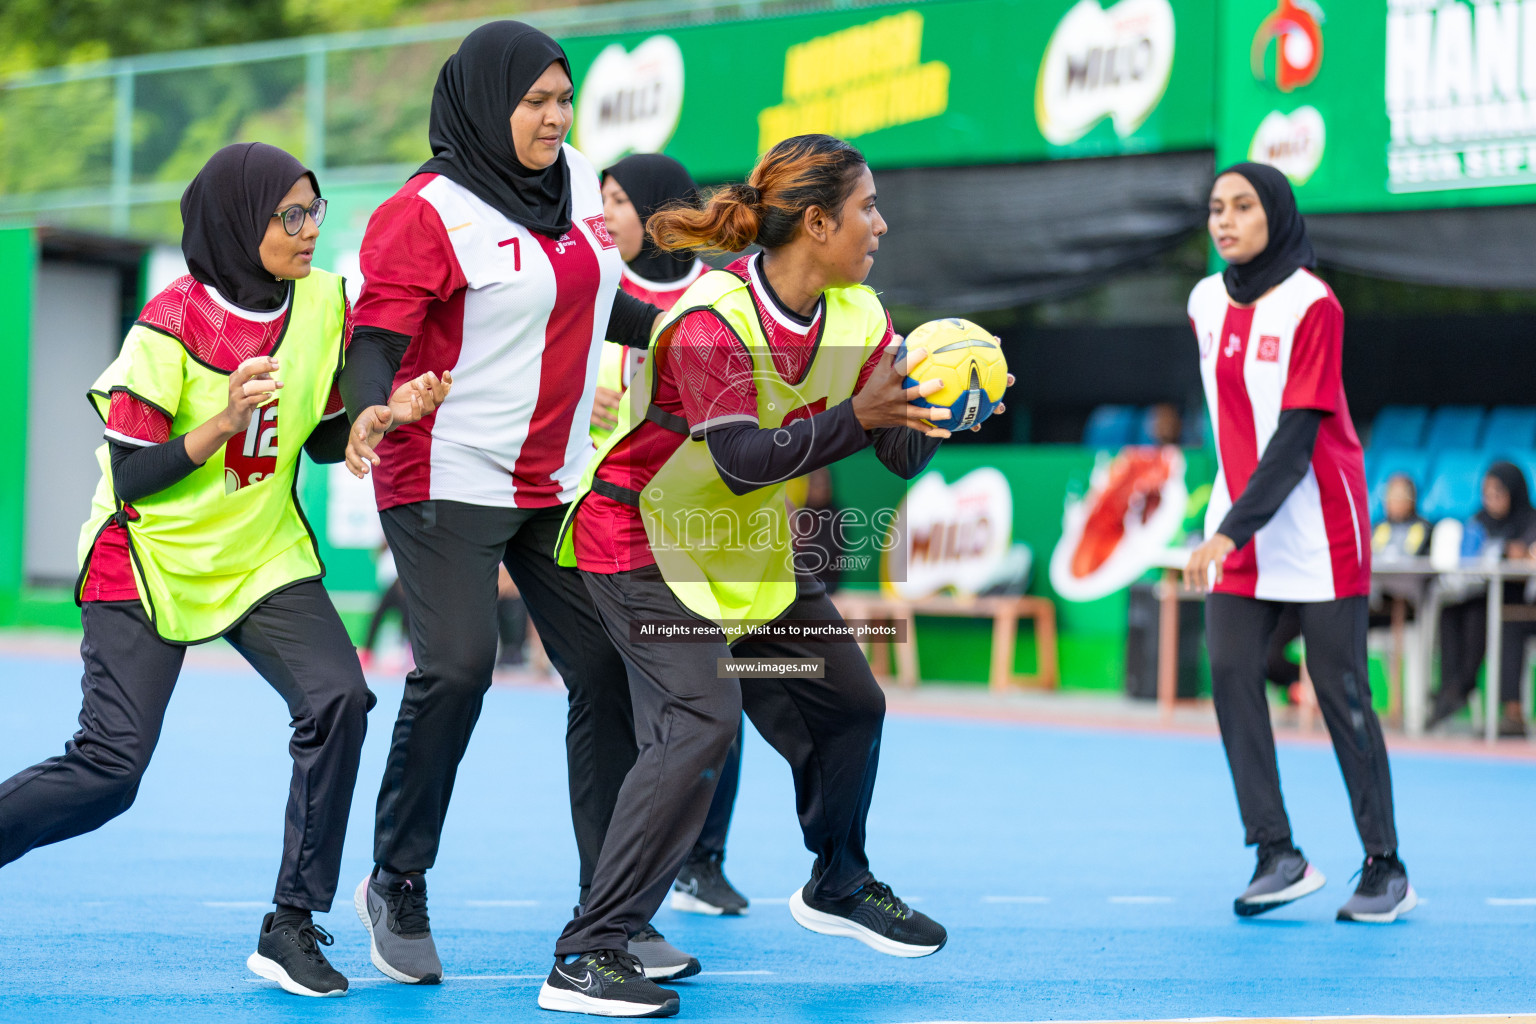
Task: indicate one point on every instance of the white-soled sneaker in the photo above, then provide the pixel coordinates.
(1279, 879)
(1383, 895)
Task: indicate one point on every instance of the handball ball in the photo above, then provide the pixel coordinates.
(970, 363)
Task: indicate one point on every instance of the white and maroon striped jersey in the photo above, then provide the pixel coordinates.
(1284, 352)
(518, 317)
(661, 294)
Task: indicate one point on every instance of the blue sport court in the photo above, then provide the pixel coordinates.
(1084, 873)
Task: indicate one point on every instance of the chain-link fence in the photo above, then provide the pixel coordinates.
(110, 146)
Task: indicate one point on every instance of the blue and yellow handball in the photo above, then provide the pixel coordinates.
(968, 360)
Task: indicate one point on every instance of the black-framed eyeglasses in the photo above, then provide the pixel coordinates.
(293, 216)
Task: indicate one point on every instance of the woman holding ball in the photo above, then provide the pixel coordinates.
(1287, 526)
(781, 363)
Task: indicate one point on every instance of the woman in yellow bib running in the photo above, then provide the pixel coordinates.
(196, 533)
(779, 364)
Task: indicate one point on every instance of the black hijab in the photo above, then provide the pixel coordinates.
(1289, 248)
(476, 92)
(653, 181)
(1521, 517)
(224, 216)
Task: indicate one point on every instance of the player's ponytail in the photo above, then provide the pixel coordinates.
(792, 177)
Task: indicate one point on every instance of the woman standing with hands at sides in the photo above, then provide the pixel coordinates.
(196, 533)
(781, 363)
(634, 189)
(491, 264)
(1287, 525)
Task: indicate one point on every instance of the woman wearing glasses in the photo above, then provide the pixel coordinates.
(195, 533)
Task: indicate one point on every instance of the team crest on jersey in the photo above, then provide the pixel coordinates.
(599, 228)
(1269, 349)
(251, 457)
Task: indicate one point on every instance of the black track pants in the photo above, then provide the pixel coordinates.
(1238, 630)
(447, 553)
(686, 719)
(296, 641)
(717, 823)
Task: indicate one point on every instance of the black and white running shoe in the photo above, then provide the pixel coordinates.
(702, 888)
(607, 983)
(874, 916)
(1281, 877)
(290, 955)
(1383, 895)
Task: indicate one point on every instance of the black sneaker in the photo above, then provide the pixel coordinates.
(874, 916)
(702, 888)
(1283, 875)
(291, 957)
(1383, 895)
(608, 983)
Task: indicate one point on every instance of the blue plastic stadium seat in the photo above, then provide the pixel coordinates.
(1511, 429)
(1399, 426)
(1454, 427)
(1456, 485)
(1112, 426)
(1386, 463)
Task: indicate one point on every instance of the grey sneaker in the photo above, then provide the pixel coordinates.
(400, 936)
(661, 960)
(1384, 894)
(1282, 876)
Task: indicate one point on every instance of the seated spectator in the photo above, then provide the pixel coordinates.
(1508, 520)
(1165, 424)
(1404, 533)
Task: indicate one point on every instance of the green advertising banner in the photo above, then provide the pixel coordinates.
(1403, 104)
(945, 82)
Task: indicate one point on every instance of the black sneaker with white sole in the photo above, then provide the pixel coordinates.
(1282, 875)
(290, 955)
(702, 888)
(874, 916)
(1383, 894)
(607, 983)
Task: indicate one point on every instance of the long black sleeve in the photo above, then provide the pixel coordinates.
(328, 441)
(630, 322)
(904, 451)
(138, 472)
(749, 457)
(373, 359)
(1283, 465)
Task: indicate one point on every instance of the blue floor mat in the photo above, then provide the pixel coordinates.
(1082, 874)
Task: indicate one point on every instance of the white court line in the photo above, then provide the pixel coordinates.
(1141, 899)
(771, 901)
(733, 974)
(235, 904)
(1515, 901)
(1015, 899)
(501, 903)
